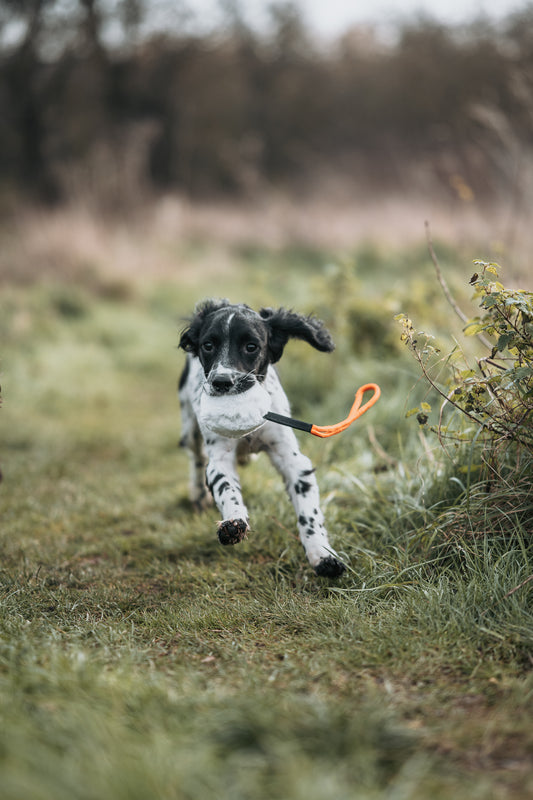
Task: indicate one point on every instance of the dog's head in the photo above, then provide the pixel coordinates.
(236, 344)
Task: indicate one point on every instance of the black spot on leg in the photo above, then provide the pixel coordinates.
(302, 487)
(302, 519)
(310, 532)
(224, 486)
(307, 472)
(215, 480)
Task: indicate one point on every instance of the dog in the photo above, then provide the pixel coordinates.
(231, 350)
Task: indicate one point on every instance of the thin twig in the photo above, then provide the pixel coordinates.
(378, 448)
(444, 286)
(429, 453)
(520, 585)
(493, 363)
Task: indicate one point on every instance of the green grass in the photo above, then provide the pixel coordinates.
(140, 659)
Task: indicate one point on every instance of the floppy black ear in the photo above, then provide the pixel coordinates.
(190, 337)
(284, 325)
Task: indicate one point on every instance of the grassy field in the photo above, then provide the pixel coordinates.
(140, 659)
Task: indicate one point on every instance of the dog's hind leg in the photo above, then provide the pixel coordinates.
(198, 491)
(200, 496)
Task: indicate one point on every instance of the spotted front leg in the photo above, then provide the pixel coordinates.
(224, 485)
(300, 481)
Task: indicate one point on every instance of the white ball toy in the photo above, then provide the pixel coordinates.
(235, 415)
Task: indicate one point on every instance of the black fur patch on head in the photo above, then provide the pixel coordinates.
(270, 329)
(189, 339)
(228, 337)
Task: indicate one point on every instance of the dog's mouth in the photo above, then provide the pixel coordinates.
(235, 413)
(222, 385)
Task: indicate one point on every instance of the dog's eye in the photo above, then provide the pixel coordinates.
(207, 347)
(251, 347)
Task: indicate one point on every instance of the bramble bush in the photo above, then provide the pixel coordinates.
(492, 393)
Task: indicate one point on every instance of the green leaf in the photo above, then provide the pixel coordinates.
(504, 341)
(473, 328)
(520, 373)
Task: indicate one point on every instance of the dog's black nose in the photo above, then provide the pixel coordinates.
(222, 383)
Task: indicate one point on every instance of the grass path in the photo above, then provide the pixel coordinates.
(139, 659)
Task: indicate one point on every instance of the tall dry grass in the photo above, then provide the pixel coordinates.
(161, 237)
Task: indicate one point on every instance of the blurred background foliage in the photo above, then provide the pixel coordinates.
(96, 94)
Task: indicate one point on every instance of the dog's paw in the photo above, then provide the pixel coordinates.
(232, 531)
(330, 567)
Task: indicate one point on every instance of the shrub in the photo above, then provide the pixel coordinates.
(496, 393)
(491, 400)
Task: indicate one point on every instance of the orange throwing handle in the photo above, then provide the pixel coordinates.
(355, 412)
(330, 430)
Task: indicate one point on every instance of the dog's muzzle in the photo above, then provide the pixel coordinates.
(223, 382)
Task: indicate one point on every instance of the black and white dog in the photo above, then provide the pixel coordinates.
(231, 350)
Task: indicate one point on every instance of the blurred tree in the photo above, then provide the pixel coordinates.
(22, 158)
(132, 14)
(91, 87)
